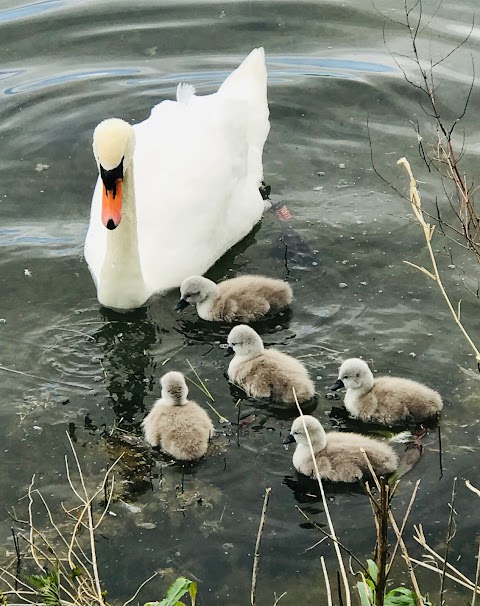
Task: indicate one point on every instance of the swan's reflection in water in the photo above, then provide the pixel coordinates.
(126, 340)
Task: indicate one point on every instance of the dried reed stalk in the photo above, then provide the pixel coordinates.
(256, 557)
(428, 233)
(79, 581)
(343, 572)
(393, 523)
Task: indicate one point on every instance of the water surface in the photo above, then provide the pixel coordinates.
(67, 65)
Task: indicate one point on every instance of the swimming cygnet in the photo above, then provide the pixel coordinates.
(266, 374)
(338, 454)
(242, 299)
(180, 427)
(386, 400)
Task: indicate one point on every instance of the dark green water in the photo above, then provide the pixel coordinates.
(65, 65)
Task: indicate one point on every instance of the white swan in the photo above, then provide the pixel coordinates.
(176, 191)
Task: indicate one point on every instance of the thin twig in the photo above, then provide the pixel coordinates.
(469, 585)
(402, 527)
(428, 233)
(141, 587)
(327, 582)
(450, 535)
(477, 574)
(203, 386)
(334, 539)
(58, 382)
(420, 538)
(327, 511)
(408, 560)
(256, 557)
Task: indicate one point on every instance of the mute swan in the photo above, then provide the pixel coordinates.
(182, 428)
(192, 194)
(386, 400)
(266, 374)
(242, 299)
(338, 454)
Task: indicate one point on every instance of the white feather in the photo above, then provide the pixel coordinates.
(185, 92)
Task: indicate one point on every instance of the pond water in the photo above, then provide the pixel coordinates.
(65, 65)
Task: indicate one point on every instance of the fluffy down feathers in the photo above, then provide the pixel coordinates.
(386, 400)
(337, 454)
(242, 299)
(266, 374)
(181, 427)
(392, 400)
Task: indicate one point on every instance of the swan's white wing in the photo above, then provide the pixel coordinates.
(195, 198)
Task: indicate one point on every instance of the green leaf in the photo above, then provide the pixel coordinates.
(76, 572)
(372, 570)
(192, 590)
(401, 596)
(176, 591)
(48, 587)
(365, 593)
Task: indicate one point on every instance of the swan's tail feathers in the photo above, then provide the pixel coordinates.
(249, 80)
(185, 92)
(248, 83)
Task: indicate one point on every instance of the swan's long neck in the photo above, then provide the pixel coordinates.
(121, 281)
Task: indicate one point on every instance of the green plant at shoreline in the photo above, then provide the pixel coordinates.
(48, 586)
(177, 590)
(66, 578)
(367, 590)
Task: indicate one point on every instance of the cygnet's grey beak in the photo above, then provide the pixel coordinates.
(337, 385)
(229, 351)
(289, 439)
(181, 305)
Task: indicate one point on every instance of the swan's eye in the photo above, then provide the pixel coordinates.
(345, 377)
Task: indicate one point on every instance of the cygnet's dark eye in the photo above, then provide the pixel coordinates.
(345, 377)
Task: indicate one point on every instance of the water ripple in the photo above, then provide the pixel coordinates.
(71, 77)
(29, 10)
(300, 63)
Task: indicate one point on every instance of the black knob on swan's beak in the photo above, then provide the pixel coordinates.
(337, 385)
(181, 305)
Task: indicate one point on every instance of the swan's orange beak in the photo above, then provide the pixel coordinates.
(112, 196)
(112, 205)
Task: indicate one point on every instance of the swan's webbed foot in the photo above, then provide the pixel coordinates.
(265, 191)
